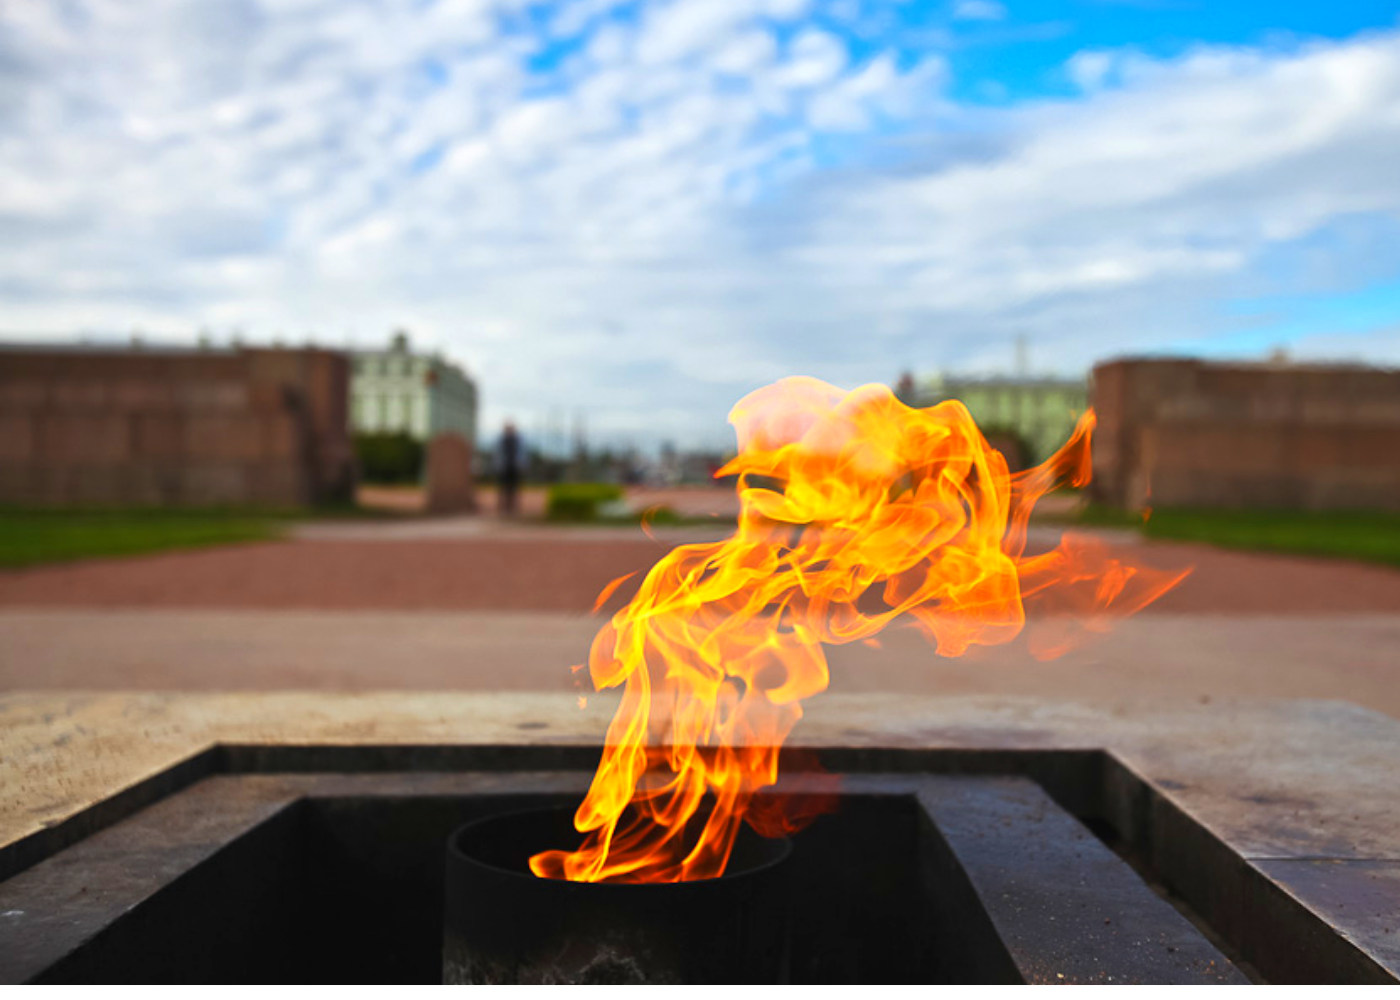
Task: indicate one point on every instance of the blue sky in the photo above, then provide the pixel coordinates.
(644, 210)
(1027, 55)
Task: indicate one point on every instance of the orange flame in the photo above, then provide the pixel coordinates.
(855, 510)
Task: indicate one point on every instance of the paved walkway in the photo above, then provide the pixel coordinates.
(1201, 657)
(468, 564)
(488, 605)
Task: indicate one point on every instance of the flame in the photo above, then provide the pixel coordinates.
(611, 589)
(856, 510)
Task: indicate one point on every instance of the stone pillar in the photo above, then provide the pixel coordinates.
(451, 485)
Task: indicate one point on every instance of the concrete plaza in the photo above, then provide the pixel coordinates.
(484, 605)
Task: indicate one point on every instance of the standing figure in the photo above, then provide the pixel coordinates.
(510, 467)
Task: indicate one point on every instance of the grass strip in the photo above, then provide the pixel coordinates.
(33, 537)
(1369, 536)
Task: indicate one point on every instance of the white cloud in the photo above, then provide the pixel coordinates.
(1090, 69)
(571, 18)
(878, 88)
(814, 58)
(678, 29)
(654, 230)
(745, 53)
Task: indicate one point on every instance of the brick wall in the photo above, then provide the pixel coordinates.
(152, 428)
(1195, 434)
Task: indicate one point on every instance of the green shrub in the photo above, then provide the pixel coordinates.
(389, 457)
(661, 515)
(1013, 445)
(579, 501)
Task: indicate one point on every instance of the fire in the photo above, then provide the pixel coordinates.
(856, 511)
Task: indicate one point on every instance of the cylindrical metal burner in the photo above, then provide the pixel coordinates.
(505, 925)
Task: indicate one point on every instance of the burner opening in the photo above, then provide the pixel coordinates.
(506, 843)
(504, 925)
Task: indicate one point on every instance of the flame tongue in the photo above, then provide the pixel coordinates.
(856, 510)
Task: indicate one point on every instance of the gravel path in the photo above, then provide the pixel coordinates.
(489, 574)
(519, 568)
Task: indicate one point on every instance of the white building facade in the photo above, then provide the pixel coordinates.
(1042, 410)
(420, 394)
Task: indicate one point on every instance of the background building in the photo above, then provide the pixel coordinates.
(1040, 412)
(421, 395)
(139, 427)
(1187, 433)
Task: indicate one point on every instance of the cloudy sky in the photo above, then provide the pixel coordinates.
(643, 210)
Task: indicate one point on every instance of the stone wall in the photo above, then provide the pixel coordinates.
(1196, 434)
(162, 427)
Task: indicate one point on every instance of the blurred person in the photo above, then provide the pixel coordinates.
(510, 467)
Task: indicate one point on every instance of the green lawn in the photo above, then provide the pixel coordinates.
(1373, 536)
(29, 537)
